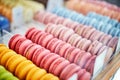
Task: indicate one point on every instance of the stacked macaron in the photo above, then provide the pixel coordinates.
(99, 25)
(69, 36)
(78, 6)
(21, 67)
(87, 32)
(6, 75)
(52, 62)
(105, 19)
(105, 4)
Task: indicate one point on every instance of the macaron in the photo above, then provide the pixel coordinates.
(58, 47)
(67, 34)
(63, 49)
(105, 39)
(48, 60)
(89, 66)
(34, 72)
(41, 56)
(14, 38)
(30, 32)
(46, 39)
(31, 51)
(19, 42)
(59, 68)
(84, 75)
(88, 32)
(49, 77)
(55, 63)
(94, 47)
(113, 42)
(43, 62)
(37, 74)
(20, 68)
(15, 60)
(51, 43)
(5, 57)
(65, 75)
(96, 35)
(23, 46)
(68, 51)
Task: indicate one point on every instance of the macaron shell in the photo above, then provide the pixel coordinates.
(55, 63)
(15, 63)
(23, 46)
(52, 57)
(19, 69)
(5, 57)
(38, 74)
(11, 39)
(63, 49)
(60, 67)
(64, 73)
(49, 77)
(41, 56)
(25, 70)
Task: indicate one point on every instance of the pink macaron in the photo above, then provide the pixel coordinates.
(46, 39)
(96, 35)
(55, 63)
(84, 75)
(63, 49)
(30, 32)
(67, 34)
(73, 54)
(59, 68)
(23, 46)
(94, 47)
(13, 40)
(50, 44)
(113, 42)
(65, 75)
(45, 59)
(19, 42)
(49, 59)
(87, 32)
(41, 56)
(58, 47)
(68, 51)
(31, 51)
(105, 39)
(89, 66)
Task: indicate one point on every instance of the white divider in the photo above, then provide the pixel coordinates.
(99, 63)
(118, 47)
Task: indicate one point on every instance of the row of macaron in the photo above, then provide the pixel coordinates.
(52, 62)
(78, 6)
(68, 35)
(106, 28)
(21, 67)
(6, 75)
(105, 19)
(87, 32)
(105, 4)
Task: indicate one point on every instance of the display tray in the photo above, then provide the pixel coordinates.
(99, 68)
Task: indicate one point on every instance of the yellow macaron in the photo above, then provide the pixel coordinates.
(5, 57)
(38, 74)
(49, 77)
(20, 67)
(14, 61)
